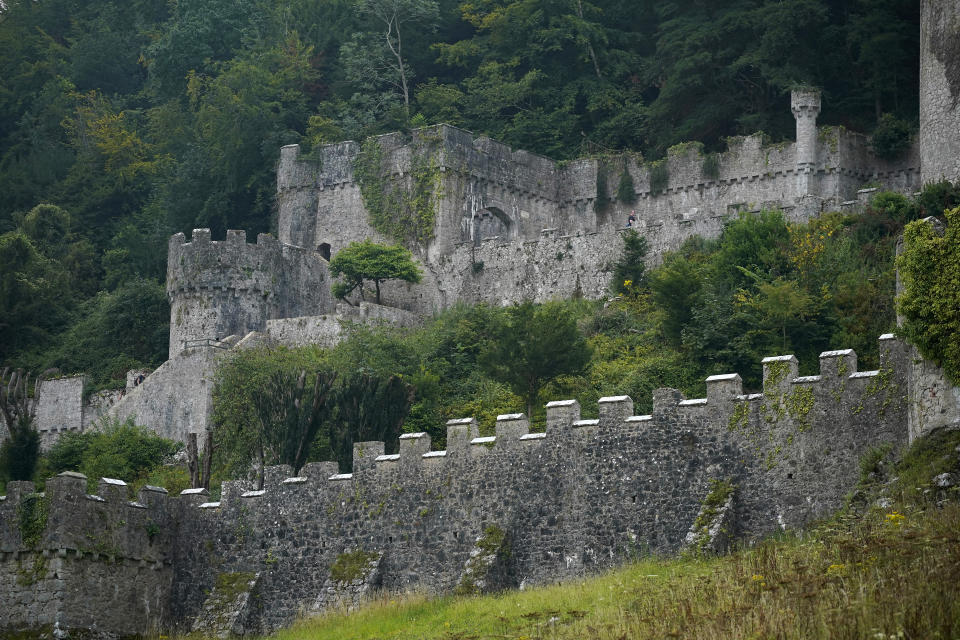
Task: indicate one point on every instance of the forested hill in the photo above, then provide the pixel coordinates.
(140, 118)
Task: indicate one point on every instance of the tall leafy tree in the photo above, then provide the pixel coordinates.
(367, 407)
(534, 346)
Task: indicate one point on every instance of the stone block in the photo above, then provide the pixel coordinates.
(511, 426)
(614, 409)
(666, 400)
(724, 388)
(113, 490)
(365, 455)
(413, 446)
(561, 414)
(459, 434)
(837, 366)
(778, 373)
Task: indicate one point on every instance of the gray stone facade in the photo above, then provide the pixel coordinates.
(940, 90)
(538, 212)
(581, 497)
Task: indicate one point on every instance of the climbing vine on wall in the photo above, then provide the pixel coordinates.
(930, 269)
(659, 176)
(403, 207)
(32, 519)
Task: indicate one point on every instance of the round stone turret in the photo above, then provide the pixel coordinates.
(217, 289)
(805, 104)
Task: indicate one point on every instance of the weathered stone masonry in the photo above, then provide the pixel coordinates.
(584, 495)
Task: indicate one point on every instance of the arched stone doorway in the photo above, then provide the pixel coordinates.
(491, 222)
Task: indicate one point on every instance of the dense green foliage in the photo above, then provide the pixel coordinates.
(367, 260)
(119, 450)
(141, 118)
(629, 273)
(19, 454)
(531, 346)
(930, 304)
(764, 287)
(292, 406)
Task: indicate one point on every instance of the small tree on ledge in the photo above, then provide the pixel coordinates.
(368, 260)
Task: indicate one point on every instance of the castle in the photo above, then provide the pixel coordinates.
(489, 512)
(505, 226)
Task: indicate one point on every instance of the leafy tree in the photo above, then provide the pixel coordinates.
(393, 17)
(630, 270)
(891, 137)
(930, 304)
(18, 406)
(534, 346)
(238, 400)
(116, 449)
(290, 413)
(116, 331)
(675, 286)
(367, 407)
(368, 260)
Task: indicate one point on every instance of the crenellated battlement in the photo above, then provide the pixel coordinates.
(565, 428)
(232, 287)
(582, 495)
(232, 263)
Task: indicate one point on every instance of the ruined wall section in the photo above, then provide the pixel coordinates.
(218, 289)
(329, 330)
(72, 562)
(60, 408)
(940, 90)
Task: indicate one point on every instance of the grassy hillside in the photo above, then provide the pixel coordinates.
(887, 567)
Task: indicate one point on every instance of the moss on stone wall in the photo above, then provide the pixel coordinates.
(659, 177)
(490, 548)
(351, 565)
(32, 519)
(401, 207)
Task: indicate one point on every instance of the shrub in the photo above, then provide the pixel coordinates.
(891, 137)
(121, 450)
(626, 193)
(930, 268)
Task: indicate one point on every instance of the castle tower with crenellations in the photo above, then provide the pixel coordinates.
(231, 287)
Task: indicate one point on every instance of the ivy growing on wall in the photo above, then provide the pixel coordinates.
(602, 200)
(659, 177)
(403, 207)
(930, 269)
(32, 519)
(626, 193)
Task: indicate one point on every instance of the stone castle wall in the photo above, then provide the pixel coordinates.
(219, 289)
(940, 90)
(582, 496)
(490, 195)
(102, 563)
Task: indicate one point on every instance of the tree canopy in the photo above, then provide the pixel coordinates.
(368, 260)
(141, 118)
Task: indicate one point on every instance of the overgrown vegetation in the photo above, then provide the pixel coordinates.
(351, 565)
(930, 304)
(402, 207)
(117, 449)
